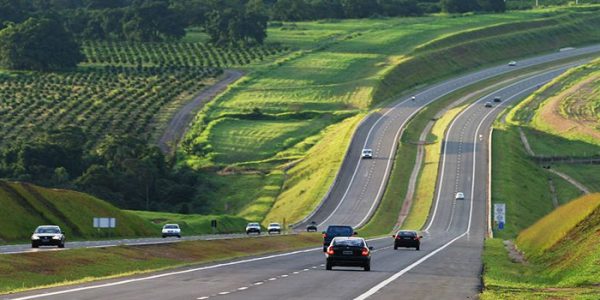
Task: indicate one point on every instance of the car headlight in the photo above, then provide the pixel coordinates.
(56, 237)
(35, 237)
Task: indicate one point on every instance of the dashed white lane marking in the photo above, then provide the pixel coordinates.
(224, 293)
(242, 288)
(258, 283)
(284, 276)
(202, 298)
(296, 272)
(272, 278)
(306, 270)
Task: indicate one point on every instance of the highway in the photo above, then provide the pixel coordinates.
(360, 183)
(447, 267)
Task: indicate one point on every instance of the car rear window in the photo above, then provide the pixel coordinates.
(47, 230)
(407, 233)
(340, 230)
(171, 226)
(355, 243)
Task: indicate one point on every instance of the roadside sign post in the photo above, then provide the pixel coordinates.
(104, 223)
(213, 226)
(500, 214)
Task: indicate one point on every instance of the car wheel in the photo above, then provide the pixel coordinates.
(34, 245)
(395, 247)
(179, 236)
(368, 267)
(328, 267)
(418, 248)
(61, 245)
(324, 248)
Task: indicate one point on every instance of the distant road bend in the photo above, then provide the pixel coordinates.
(182, 119)
(449, 263)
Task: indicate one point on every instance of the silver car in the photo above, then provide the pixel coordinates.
(48, 235)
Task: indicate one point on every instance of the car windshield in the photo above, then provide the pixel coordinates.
(47, 230)
(253, 224)
(407, 233)
(171, 227)
(274, 224)
(352, 242)
(339, 230)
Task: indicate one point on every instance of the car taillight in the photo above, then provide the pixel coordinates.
(330, 250)
(416, 238)
(365, 251)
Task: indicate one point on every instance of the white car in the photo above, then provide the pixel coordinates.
(274, 228)
(253, 228)
(171, 230)
(460, 196)
(512, 63)
(367, 153)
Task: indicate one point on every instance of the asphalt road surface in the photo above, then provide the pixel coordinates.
(447, 267)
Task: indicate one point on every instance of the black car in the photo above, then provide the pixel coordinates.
(407, 239)
(312, 227)
(348, 252)
(497, 99)
(335, 231)
(48, 235)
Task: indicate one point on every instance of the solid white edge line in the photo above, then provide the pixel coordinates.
(489, 185)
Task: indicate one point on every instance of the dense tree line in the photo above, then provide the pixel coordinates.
(122, 169)
(38, 44)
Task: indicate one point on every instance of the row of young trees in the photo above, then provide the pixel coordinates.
(122, 170)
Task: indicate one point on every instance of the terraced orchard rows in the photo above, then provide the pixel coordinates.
(102, 101)
(174, 54)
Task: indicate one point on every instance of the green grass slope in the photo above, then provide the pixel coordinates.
(26, 206)
(476, 48)
(193, 224)
(521, 183)
(562, 252)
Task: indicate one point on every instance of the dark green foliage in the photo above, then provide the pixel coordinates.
(38, 44)
(236, 25)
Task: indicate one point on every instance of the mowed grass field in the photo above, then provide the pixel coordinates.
(562, 251)
(333, 67)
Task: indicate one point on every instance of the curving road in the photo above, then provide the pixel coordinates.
(447, 267)
(360, 183)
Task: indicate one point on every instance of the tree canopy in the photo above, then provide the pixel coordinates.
(39, 44)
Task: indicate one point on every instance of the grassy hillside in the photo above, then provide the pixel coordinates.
(334, 69)
(471, 49)
(193, 224)
(25, 206)
(562, 252)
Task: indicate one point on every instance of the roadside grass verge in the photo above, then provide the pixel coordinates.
(546, 144)
(308, 180)
(521, 184)
(193, 224)
(562, 252)
(26, 206)
(19, 272)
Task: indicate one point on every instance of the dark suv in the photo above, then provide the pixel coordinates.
(407, 239)
(336, 230)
